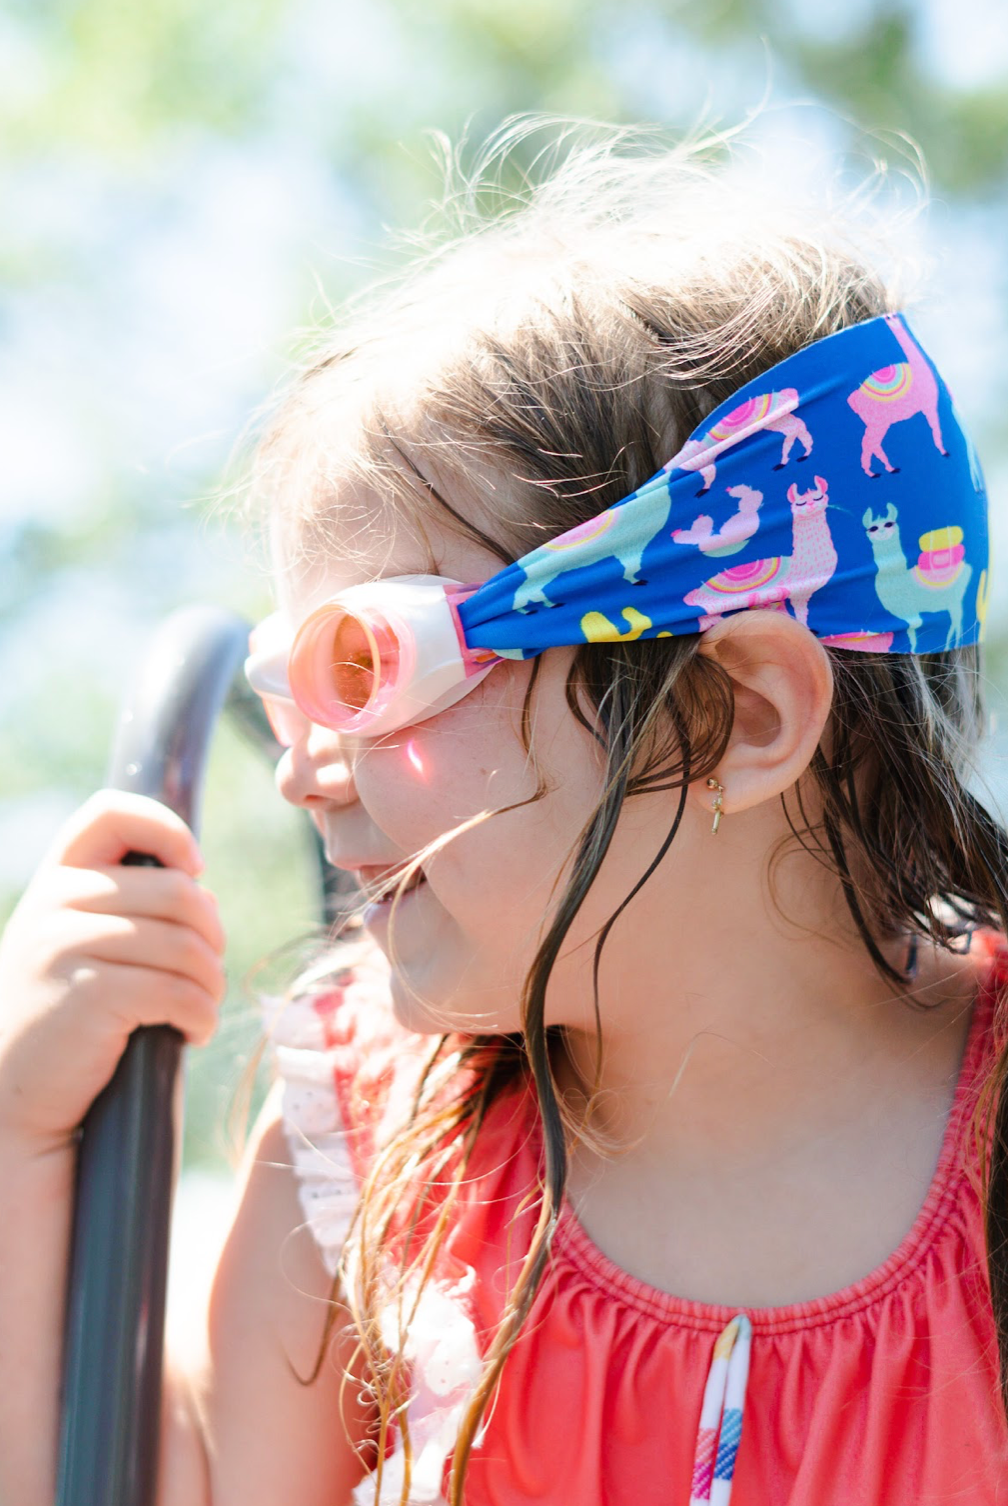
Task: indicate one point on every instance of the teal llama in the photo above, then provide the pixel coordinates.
(622, 532)
(937, 583)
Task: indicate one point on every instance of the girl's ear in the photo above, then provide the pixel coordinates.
(783, 685)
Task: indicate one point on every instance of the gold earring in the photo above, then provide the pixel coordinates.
(714, 784)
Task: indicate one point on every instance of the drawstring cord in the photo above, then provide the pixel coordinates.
(721, 1415)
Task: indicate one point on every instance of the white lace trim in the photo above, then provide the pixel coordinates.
(441, 1343)
(327, 1186)
(442, 1350)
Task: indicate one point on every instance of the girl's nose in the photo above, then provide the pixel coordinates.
(317, 770)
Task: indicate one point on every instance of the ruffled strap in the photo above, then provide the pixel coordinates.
(349, 1073)
(327, 1182)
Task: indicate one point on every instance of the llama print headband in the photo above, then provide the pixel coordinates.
(840, 486)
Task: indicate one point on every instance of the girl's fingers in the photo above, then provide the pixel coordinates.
(93, 950)
(136, 995)
(152, 893)
(113, 823)
(154, 944)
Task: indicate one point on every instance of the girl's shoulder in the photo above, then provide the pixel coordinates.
(988, 1034)
(348, 1071)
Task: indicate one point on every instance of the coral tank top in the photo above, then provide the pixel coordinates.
(884, 1393)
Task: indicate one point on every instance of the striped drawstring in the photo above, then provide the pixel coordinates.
(721, 1415)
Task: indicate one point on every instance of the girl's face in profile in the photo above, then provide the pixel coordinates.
(466, 937)
(463, 939)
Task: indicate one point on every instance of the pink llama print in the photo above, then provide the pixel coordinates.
(892, 394)
(793, 577)
(768, 410)
(731, 536)
(862, 641)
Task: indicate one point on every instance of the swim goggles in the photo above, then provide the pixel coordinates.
(374, 658)
(840, 486)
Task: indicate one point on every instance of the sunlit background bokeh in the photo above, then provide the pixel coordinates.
(184, 185)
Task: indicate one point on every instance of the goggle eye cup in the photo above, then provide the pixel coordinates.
(343, 664)
(370, 660)
(266, 672)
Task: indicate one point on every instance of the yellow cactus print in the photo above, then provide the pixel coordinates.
(982, 599)
(598, 629)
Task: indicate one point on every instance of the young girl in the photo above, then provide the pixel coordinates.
(632, 561)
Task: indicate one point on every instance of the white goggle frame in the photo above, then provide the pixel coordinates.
(372, 659)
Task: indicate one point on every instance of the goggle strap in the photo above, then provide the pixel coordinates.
(474, 660)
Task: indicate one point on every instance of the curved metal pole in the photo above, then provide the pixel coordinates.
(129, 1142)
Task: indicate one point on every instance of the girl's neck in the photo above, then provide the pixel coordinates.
(786, 1149)
(759, 1033)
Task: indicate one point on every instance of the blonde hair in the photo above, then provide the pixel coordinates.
(540, 363)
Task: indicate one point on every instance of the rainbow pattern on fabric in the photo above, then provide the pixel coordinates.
(751, 414)
(889, 384)
(745, 577)
(583, 533)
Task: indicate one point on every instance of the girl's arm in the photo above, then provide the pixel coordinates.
(36, 1191)
(268, 1438)
(243, 1432)
(93, 950)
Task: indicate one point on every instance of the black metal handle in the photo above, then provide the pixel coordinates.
(130, 1138)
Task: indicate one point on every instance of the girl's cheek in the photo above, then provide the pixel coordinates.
(430, 777)
(470, 744)
(415, 766)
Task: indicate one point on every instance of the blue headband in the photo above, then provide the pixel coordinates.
(840, 486)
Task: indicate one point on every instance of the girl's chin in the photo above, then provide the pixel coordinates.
(415, 1008)
(428, 1005)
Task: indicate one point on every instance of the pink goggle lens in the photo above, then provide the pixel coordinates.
(343, 664)
(354, 672)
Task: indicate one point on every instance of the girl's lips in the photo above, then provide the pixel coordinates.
(375, 877)
(378, 878)
(377, 913)
(364, 873)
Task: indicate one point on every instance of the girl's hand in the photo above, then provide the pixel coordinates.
(95, 949)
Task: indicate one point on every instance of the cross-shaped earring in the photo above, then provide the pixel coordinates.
(714, 784)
